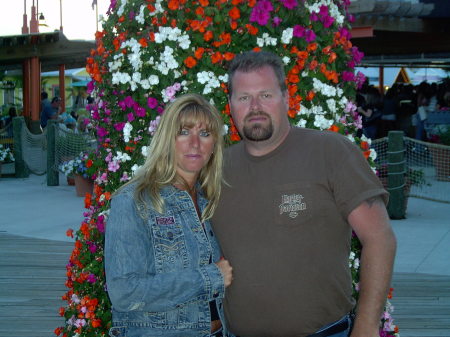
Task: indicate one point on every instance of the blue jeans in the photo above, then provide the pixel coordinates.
(344, 333)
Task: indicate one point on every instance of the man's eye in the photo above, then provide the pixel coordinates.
(243, 98)
(204, 133)
(266, 95)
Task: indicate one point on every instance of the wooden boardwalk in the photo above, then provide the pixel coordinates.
(32, 276)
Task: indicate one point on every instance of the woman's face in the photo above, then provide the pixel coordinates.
(193, 149)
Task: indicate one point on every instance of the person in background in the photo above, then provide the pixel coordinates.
(164, 271)
(285, 218)
(47, 110)
(389, 116)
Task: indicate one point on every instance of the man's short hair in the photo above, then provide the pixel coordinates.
(251, 60)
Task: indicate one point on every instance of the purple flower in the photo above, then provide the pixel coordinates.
(348, 76)
(357, 55)
(327, 21)
(160, 110)
(130, 117)
(91, 278)
(101, 132)
(122, 105)
(90, 86)
(313, 17)
(95, 115)
(310, 36)
(276, 21)
(92, 248)
(360, 79)
(129, 101)
(152, 102)
(119, 126)
(261, 12)
(323, 11)
(289, 4)
(140, 111)
(345, 33)
(299, 31)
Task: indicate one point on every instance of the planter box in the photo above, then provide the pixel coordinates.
(83, 185)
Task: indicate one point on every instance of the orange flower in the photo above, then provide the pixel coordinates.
(96, 323)
(151, 8)
(58, 331)
(216, 57)
(200, 11)
(228, 56)
(293, 78)
(311, 47)
(204, 3)
(310, 95)
(233, 24)
(89, 163)
(313, 65)
(256, 49)
(208, 36)
(252, 30)
(87, 200)
(173, 5)
(190, 62)
(234, 13)
(61, 311)
(332, 57)
(143, 42)
(292, 113)
(199, 53)
(69, 233)
(364, 145)
(334, 128)
(107, 195)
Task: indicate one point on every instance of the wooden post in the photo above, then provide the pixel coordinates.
(52, 173)
(396, 175)
(35, 93)
(21, 168)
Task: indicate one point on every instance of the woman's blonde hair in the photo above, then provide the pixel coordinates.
(159, 168)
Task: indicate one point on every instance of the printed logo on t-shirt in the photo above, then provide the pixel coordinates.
(292, 204)
(169, 220)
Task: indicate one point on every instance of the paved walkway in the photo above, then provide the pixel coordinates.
(30, 208)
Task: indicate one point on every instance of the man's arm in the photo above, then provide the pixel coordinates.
(370, 222)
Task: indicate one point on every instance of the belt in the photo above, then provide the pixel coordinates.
(334, 329)
(215, 325)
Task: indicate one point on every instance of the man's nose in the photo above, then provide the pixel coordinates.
(255, 104)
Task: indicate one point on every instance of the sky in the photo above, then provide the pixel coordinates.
(78, 17)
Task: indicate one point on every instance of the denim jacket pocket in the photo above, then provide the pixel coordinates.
(169, 244)
(117, 331)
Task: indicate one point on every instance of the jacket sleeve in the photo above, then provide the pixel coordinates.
(132, 282)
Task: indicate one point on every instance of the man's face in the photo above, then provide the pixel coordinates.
(258, 106)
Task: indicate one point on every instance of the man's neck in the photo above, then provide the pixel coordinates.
(264, 147)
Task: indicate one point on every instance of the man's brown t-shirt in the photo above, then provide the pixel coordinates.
(282, 224)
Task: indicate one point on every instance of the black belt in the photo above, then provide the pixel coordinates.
(336, 328)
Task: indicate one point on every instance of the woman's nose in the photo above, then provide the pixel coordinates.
(195, 141)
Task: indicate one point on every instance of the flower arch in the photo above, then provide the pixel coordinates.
(149, 52)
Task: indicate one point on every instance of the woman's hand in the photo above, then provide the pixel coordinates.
(226, 270)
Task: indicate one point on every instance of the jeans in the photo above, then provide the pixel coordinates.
(344, 333)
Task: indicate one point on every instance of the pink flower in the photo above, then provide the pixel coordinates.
(119, 126)
(261, 12)
(101, 132)
(113, 166)
(276, 21)
(130, 117)
(140, 111)
(91, 278)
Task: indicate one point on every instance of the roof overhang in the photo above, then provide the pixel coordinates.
(52, 49)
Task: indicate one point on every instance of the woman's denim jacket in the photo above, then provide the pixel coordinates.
(158, 272)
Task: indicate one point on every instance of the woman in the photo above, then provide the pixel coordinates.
(164, 271)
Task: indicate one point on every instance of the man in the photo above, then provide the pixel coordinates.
(47, 109)
(285, 217)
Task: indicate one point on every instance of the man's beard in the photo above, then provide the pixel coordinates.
(257, 132)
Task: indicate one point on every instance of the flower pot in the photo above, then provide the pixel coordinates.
(83, 185)
(441, 162)
(71, 181)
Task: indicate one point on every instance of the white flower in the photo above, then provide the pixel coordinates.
(140, 18)
(127, 131)
(286, 60)
(286, 36)
(153, 79)
(144, 151)
(122, 156)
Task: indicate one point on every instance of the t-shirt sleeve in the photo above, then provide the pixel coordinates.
(351, 177)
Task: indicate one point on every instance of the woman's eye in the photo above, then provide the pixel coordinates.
(204, 133)
(183, 132)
